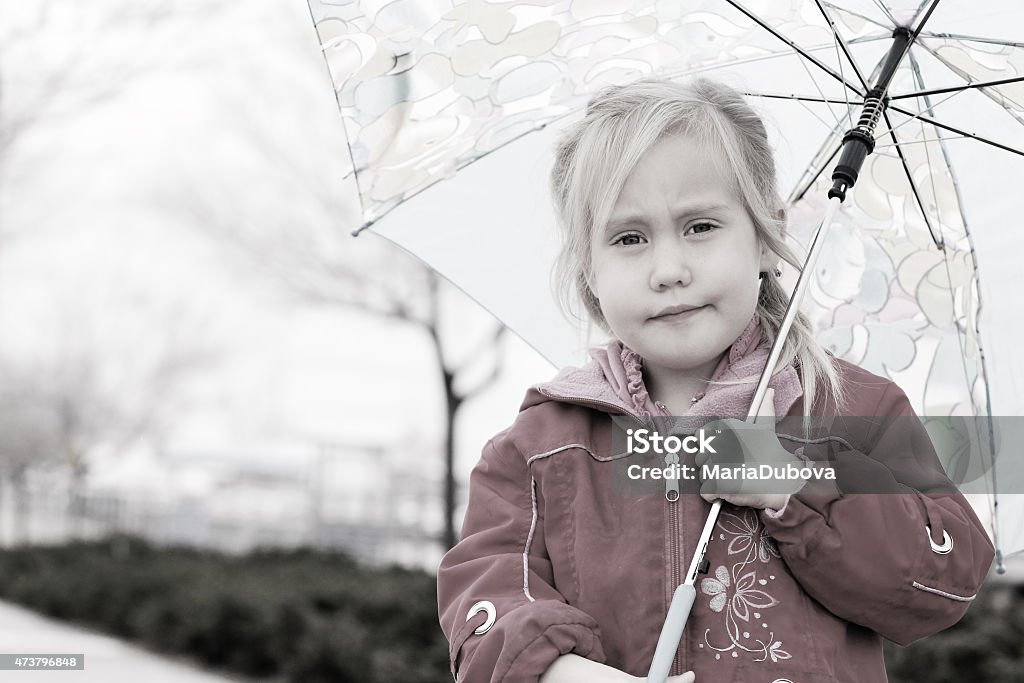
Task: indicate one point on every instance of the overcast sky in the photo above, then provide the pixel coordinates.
(96, 261)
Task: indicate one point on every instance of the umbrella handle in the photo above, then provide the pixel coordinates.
(671, 632)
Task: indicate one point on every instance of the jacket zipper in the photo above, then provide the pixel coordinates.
(672, 501)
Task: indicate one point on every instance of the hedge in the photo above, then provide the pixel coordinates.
(287, 615)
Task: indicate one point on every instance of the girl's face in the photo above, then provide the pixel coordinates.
(676, 268)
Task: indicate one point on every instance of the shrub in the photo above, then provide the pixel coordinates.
(303, 615)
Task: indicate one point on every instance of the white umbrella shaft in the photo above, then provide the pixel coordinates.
(682, 599)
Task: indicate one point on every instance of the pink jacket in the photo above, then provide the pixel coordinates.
(565, 561)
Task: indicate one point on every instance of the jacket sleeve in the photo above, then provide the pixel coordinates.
(863, 548)
(502, 560)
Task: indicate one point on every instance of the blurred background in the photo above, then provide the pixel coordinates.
(230, 433)
(189, 329)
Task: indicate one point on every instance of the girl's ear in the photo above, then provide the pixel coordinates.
(769, 259)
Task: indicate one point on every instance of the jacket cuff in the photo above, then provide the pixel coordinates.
(811, 501)
(524, 643)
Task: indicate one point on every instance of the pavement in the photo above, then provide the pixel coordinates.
(107, 659)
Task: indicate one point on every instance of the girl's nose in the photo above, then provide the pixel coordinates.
(669, 266)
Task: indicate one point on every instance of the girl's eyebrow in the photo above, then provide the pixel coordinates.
(633, 219)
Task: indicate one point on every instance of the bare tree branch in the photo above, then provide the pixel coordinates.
(50, 73)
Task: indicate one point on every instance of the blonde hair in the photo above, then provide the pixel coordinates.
(595, 156)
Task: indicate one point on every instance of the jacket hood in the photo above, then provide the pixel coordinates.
(602, 382)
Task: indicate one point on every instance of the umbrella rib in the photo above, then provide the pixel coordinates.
(931, 181)
(839, 60)
(801, 51)
(975, 39)
(954, 129)
(961, 74)
(886, 12)
(800, 98)
(919, 142)
(917, 12)
(931, 107)
(822, 93)
(924, 20)
(940, 91)
(913, 186)
(859, 15)
(823, 121)
(856, 41)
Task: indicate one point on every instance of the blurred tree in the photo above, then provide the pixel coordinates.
(96, 383)
(282, 200)
(50, 64)
(29, 437)
(59, 62)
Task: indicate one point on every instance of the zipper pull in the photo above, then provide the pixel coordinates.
(672, 483)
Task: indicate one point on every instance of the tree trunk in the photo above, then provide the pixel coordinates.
(20, 509)
(452, 402)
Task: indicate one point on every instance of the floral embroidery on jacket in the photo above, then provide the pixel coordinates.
(748, 536)
(737, 591)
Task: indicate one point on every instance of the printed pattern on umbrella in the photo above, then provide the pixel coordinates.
(427, 88)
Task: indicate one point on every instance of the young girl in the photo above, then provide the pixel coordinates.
(673, 233)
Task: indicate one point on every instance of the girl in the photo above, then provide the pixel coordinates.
(673, 230)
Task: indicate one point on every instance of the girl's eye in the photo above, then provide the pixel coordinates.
(701, 228)
(629, 239)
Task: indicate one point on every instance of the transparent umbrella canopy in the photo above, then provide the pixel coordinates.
(452, 111)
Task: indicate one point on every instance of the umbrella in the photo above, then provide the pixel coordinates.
(452, 111)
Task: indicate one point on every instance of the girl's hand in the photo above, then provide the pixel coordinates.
(572, 668)
(575, 669)
(741, 446)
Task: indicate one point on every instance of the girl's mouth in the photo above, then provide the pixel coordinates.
(678, 317)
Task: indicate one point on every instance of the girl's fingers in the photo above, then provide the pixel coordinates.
(687, 677)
